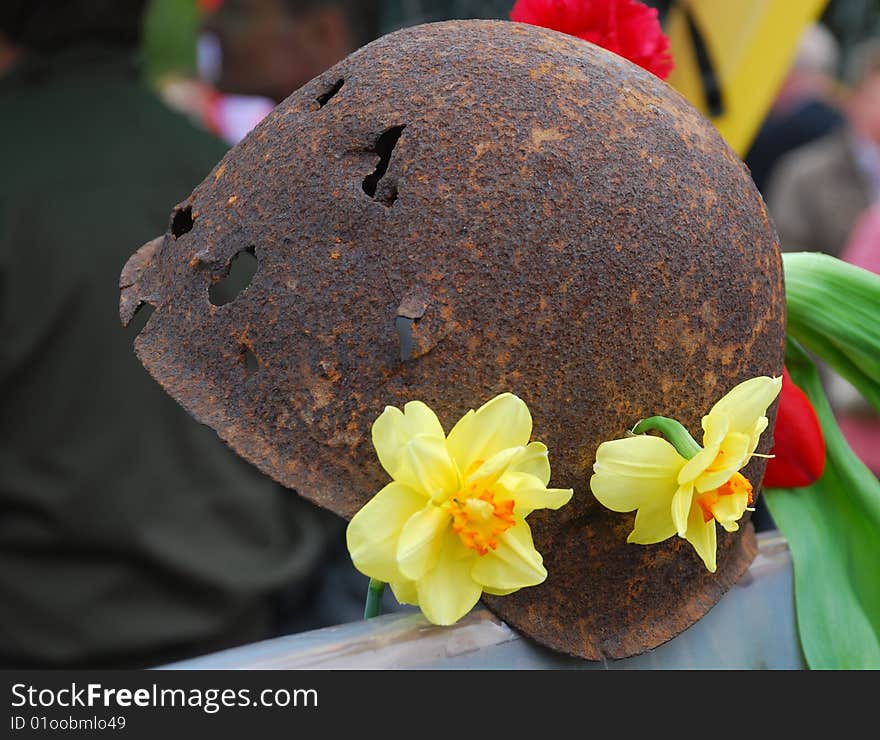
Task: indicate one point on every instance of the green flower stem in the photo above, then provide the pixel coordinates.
(675, 433)
(374, 599)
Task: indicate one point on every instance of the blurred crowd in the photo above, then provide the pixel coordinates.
(129, 534)
(817, 162)
(253, 53)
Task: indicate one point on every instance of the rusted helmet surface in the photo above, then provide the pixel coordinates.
(458, 210)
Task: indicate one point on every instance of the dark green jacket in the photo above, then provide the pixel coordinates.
(129, 534)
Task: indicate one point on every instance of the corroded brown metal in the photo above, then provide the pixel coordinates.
(455, 211)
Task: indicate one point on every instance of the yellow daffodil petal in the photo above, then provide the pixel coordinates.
(501, 423)
(395, 428)
(487, 474)
(373, 532)
(697, 464)
(499, 592)
(760, 425)
(426, 466)
(531, 460)
(633, 471)
(535, 461)
(447, 592)
(715, 428)
(420, 541)
(747, 402)
(514, 564)
(653, 524)
(405, 591)
(530, 493)
(703, 537)
(732, 455)
(729, 509)
(681, 507)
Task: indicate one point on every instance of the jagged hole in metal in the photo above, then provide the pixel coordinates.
(384, 147)
(326, 97)
(182, 222)
(242, 270)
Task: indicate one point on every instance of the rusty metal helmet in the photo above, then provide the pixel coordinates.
(454, 211)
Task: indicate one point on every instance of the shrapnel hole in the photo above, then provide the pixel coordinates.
(141, 316)
(326, 97)
(384, 147)
(182, 222)
(241, 273)
(249, 359)
(404, 326)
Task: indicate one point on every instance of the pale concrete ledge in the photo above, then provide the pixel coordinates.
(752, 627)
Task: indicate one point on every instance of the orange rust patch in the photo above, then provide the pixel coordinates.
(540, 136)
(542, 69)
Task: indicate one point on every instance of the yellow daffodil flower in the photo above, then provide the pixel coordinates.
(676, 495)
(452, 523)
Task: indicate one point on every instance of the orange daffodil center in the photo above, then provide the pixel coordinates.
(478, 519)
(451, 524)
(737, 485)
(673, 495)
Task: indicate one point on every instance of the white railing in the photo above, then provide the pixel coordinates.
(753, 626)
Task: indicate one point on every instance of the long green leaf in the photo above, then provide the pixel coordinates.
(830, 352)
(833, 312)
(833, 530)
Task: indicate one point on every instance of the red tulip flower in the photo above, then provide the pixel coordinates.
(626, 27)
(798, 444)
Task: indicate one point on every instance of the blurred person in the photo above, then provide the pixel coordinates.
(858, 420)
(818, 192)
(228, 115)
(270, 48)
(129, 534)
(806, 108)
(863, 248)
(821, 198)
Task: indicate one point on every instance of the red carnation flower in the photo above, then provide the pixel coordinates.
(798, 444)
(626, 27)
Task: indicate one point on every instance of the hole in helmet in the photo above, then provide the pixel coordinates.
(239, 276)
(331, 93)
(181, 221)
(384, 147)
(140, 318)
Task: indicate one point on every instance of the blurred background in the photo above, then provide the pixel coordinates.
(129, 535)
(178, 51)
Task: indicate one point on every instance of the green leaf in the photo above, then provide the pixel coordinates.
(832, 311)
(833, 531)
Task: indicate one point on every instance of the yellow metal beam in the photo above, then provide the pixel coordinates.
(750, 45)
